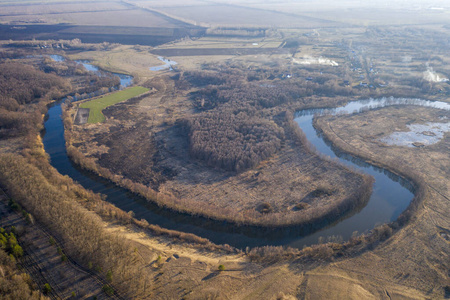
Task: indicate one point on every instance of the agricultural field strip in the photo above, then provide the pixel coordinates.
(53, 2)
(59, 13)
(68, 7)
(97, 105)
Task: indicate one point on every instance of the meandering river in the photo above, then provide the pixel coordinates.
(391, 195)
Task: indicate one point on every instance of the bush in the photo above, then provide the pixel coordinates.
(221, 268)
(47, 289)
(301, 206)
(9, 243)
(14, 283)
(17, 251)
(108, 290)
(109, 276)
(265, 208)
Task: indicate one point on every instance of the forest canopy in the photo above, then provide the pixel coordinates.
(25, 84)
(22, 85)
(233, 141)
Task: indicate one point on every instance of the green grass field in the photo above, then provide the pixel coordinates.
(97, 105)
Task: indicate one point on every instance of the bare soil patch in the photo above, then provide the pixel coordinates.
(82, 116)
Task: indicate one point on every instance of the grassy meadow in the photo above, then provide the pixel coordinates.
(97, 105)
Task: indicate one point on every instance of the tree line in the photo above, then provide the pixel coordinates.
(83, 233)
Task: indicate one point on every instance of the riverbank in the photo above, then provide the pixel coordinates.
(322, 205)
(426, 227)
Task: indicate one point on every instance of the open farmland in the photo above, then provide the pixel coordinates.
(130, 17)
(236, 16)
(350, 13)
(59, 8)
(91, 22)
(96, 106)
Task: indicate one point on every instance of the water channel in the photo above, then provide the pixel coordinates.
(391, 195)
(167, 64)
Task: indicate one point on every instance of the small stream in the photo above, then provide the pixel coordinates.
(125, 80)
(167, 64)
(391, 194)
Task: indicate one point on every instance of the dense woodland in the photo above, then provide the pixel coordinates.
(233, 129)
(233, 140)
(82, 232)
(24, 91)
(25, 84)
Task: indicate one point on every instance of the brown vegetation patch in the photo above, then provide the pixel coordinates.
(246, 132)
(233, 140)
(24, 91)
(25, 84)
(80, 230)
(133, 153)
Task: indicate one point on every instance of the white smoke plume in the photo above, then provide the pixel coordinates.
(430, 75)
(308, 60)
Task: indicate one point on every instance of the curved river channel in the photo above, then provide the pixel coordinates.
(391, 195)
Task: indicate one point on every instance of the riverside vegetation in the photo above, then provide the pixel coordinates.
(237, 124)
(30, 180)
(360, 268)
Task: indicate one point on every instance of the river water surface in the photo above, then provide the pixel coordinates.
(391, 195)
